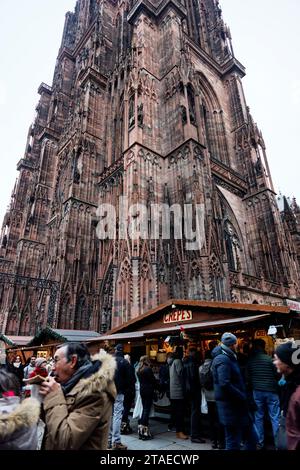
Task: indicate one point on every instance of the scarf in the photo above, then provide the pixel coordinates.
(84, 371)
(226, 350)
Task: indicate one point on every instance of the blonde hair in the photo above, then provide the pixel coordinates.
(144, 362)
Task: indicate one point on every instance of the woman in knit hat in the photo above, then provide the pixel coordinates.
(40, 368)
(287, 362)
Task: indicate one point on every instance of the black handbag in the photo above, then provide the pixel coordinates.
(280, 439)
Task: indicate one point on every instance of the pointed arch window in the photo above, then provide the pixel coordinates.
(125, 285)
(107, 296)
(131, 112)
(192, 104)
(207, 129)
(25, 325)
(65, 317)
(217, 280)
(12, 326)
(232, 245)
(81, 315)
(195, 287)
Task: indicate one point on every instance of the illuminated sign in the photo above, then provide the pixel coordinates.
(260, 333)
(293, 305)
(178, 316)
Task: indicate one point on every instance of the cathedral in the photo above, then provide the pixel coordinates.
(147, 106)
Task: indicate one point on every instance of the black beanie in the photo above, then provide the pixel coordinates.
(289, 353)
(119, 348)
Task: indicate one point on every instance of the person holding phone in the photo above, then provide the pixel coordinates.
(78, 400)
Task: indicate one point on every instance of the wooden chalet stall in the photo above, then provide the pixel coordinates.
(44, 343)
(196, 323)
(11, 346)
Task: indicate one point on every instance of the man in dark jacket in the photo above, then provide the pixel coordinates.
(192, 392)
(129, 397)
(262, 379)
(287, 362)
(230, 394)
(121, 378)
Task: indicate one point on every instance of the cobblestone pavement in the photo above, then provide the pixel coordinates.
(162, 440)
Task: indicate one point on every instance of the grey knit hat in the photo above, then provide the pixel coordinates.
(39, 361)
(228, 339)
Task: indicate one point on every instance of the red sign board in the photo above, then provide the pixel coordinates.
(293, 305)
(178, 316)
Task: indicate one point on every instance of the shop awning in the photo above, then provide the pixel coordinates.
(120, 336)
(187, 327)
(208, 324)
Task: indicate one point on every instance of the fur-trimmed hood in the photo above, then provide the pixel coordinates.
(89, 401)
(16, 416)
(102, 379)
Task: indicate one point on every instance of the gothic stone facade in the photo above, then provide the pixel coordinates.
(146, 102)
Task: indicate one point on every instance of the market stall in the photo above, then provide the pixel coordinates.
(44, 343)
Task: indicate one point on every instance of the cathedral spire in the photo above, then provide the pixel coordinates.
(146, 109)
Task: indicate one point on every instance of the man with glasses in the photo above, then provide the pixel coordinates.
(78, 400)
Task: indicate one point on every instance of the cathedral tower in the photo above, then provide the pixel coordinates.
(146, 110)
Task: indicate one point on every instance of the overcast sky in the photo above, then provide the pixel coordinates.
(265, 38)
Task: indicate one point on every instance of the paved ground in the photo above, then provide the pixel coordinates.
(163, 439)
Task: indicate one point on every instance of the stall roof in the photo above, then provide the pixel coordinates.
(62, 336)
(192, 326)
(202, 305)
(15, 340)
(77, 335)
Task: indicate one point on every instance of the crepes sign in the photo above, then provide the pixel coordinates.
(178, 316)
(293, 305)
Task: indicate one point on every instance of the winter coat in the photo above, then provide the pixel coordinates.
(130, 391)
(190, 378)
(293, 421)
(38, 371)
(261, 373)
(176, 380)
(122, 374)
(80, 418)
(18, 423)
(229, 388)
(148, 382)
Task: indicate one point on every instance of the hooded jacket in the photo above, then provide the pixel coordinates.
(229, 388)
(291, 409)
(176, 380)
(80, 418)
(18, 423)
(122, 374)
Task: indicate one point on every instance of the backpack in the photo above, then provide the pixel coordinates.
(206, 376)
(164, 378)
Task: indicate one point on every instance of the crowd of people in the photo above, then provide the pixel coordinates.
(77, 401)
